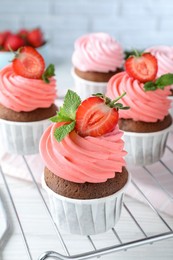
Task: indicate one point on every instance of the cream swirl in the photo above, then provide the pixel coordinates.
(146, 106)
(97, 52)
(164, 55)
(83, 159)
(23, 94)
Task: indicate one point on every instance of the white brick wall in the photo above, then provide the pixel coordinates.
(136, 24)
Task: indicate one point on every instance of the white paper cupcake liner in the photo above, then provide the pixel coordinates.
(85, 217)
(85, 88)
(145, 148)
(171, 109)
(22, 137)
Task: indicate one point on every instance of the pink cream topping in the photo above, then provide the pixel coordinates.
(23, 94)
(146, 106)
(83, 159)
(97, 52)
(164, 55)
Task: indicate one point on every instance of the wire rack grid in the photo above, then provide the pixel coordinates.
(133, 230)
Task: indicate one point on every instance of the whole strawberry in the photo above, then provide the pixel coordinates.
(13, 42)
(95, 116)
(35, 38)
(3, 37)
(23, 34)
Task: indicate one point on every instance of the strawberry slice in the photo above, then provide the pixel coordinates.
(95, 118)
(143, 68)
(29, 63)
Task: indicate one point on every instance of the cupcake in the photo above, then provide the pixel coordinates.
(96, 58)
(27, 95)
(164, 55)
(85, 175)
(147, 123)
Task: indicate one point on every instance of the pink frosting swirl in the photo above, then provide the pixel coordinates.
(164, 55)
(23, 94)
(83, 159)
(97, 52)
(146, 106)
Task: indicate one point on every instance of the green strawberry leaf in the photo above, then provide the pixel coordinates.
(49, 72)
(62, 131)
(129, 53)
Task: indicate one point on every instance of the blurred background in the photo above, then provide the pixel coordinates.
(135, 24)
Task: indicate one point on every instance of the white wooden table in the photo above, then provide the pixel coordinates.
(30, 231)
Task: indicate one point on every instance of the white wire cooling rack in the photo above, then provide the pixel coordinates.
(134, 229)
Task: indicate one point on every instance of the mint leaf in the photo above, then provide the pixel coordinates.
(160, 83)
(164, 80)
(49, 72)
(71, 103)
(60, 116)
(62, 131)
(150, 86)
(68, 111)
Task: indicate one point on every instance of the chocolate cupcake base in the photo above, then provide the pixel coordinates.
(85, 190)
(31, 116)
(96, 76)
(130, 125)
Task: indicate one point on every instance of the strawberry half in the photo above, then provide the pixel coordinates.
(143, 68)
(94, 117)
(29, 63)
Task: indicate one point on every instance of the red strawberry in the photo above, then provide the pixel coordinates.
(3, 36)
(23, 33)
(143, 68)
(95, 118)
(35, 38)
(29, 63)
(13, 42)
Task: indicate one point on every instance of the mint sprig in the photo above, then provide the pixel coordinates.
(71, 103)
(63, 130)
(49, 72)
(160, 83)
(67, 113)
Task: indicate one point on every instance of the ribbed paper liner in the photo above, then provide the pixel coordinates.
(145, 148)
(22, 137)
(85, 88)
(171, 109)
(85, 217)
